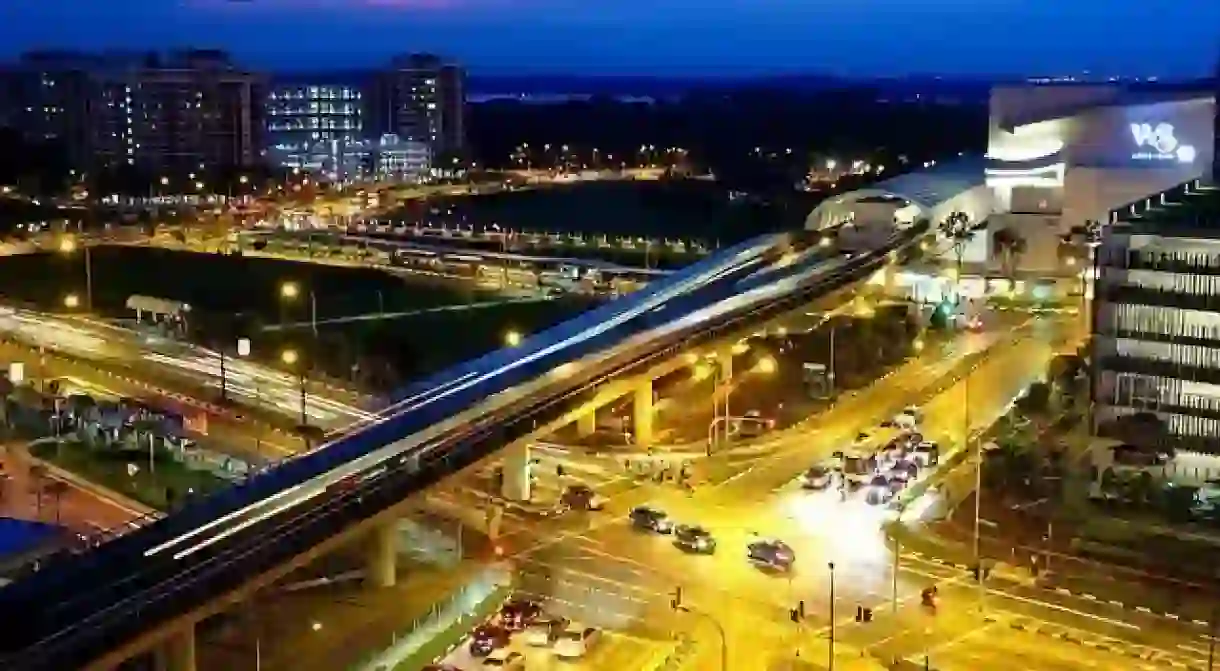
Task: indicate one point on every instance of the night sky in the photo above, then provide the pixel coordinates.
(663, 37)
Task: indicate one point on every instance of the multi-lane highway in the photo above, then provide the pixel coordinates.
(104, 359)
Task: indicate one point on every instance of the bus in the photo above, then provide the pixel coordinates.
(860, 460)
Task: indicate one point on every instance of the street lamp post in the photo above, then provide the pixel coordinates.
(830, 657)
(68, 246)
(292, 360)
(290, 291)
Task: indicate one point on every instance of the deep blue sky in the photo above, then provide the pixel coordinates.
(667, 37)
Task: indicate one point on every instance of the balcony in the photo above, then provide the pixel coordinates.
(1149, 336)
(1166, 369)
(1201, 264)
(1132, 295)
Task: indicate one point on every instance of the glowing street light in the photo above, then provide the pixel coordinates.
(767, 365)
(290, 357)
(512, 338)
(69, 245)
(290, 291)
(71, 301)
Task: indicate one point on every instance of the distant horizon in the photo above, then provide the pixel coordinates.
(700, 74)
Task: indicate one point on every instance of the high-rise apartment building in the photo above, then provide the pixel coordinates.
(1156, 321)
(317, 125)
(420, 98)
(51, 94)
(188, 110)
(197, 109)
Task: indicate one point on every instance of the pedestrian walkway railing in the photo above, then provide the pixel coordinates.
(436, 633)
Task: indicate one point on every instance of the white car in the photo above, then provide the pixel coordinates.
(575, 641)
(541, 632)
(504, 659)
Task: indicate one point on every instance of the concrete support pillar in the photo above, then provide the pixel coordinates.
(177, 653)
(644, 413)
(586, 424)
(517, 483)
(724, 361)
(381, 558)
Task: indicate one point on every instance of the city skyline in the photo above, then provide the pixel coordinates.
(869, 38)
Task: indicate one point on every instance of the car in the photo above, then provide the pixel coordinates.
(771, 553)
(488, 638)
(817, 477)
(543, 631)
(904, 470)
(694, 539)
(516, 614)
(753, 424)
(651, 519)
(575, 641)
(504, 660)
(926, 453)
(582, 497)
(880, 490)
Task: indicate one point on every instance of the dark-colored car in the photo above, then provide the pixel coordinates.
(487, 638)
(694, 539)
(651, 519)
(581, 497)
(517, 614)
(773, 553)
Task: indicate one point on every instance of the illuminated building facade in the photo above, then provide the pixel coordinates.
(317, 126)
(1156, 328)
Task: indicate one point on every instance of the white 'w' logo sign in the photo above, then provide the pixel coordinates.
(1159, 137)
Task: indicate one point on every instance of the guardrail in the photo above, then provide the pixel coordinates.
(427, 639)
(164, 588)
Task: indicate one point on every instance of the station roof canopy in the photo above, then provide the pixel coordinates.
(926, 187)
(931, 186)
(159, 306)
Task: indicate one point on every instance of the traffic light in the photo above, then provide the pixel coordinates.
(797, 614)
(676, 602)
(864, 614)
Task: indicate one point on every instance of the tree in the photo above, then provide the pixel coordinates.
(1036, 401)
(1010, 245)
(958, 231)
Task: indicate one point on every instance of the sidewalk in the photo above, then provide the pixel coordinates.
(19, 461)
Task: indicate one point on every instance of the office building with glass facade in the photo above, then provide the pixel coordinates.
(317, 126)
(1156, 321)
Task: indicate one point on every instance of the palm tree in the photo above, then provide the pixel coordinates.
(1010, 246)
(957, 229)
